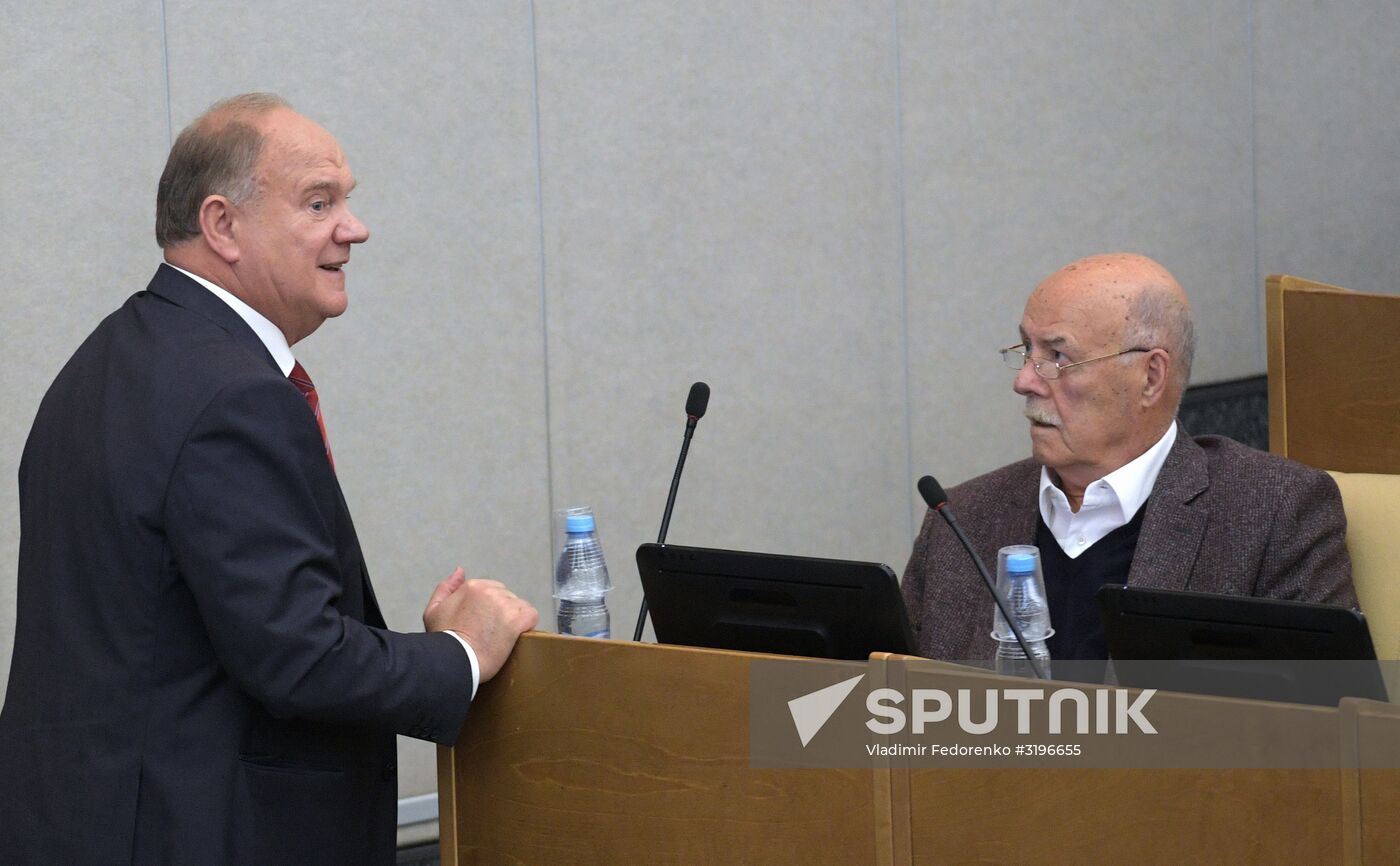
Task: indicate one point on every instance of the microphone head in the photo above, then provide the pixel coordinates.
(932, 492)
(698, 400)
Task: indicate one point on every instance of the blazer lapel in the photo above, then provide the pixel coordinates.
(354, 567)
(1022, 508)
(180, 290)
(1175, 523)
(1005, 515)
(173, 286)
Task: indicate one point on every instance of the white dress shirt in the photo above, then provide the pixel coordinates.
(276, 343)
(1108, 503)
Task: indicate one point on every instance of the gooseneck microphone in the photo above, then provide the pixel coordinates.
(695, 405)
(933, 494)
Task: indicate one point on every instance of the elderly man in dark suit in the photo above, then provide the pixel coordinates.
(201, 672)
(1115, 491)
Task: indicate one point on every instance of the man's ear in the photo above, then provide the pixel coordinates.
(216, 224)
(1159, 368)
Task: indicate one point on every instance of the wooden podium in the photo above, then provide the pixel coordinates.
(609, 752)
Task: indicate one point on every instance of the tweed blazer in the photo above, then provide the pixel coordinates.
(1222, 517)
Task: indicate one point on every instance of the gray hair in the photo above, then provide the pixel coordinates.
(215, 155)
(1159, 317)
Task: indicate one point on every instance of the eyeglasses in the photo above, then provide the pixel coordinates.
(1016, 357)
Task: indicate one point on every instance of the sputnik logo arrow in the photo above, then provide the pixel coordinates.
(811, 711)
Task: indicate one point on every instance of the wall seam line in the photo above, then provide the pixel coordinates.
(1261, 337)
(543, 284)
(911, 506)
(165, 62)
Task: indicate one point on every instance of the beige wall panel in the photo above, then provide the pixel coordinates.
(1035, 134)
(85, 126)
(1327, 77)
(720, 204)
(433, 382)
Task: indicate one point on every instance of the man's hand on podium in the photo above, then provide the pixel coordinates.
(484, 613)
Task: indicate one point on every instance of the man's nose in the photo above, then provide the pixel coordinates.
(1028, 382)
(351, 230)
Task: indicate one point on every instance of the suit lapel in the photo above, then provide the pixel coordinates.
(1175, 523)
(355, 570)
(175, 287)
(180, 290)
(1022, 508)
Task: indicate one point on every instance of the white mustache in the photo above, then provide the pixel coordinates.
(1041, 414)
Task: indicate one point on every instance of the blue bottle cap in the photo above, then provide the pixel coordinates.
(576, 523)
(1020, 563)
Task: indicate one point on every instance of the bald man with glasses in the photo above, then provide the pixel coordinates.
(1114, 490)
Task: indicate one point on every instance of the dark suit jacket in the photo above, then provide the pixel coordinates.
(1222, 517)
(201, 674)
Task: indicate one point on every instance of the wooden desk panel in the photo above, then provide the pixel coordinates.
(609, 752)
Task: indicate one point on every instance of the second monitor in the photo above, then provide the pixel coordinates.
(764, 602)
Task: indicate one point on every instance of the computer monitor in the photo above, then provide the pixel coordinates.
(1262, 648)
(770, 603)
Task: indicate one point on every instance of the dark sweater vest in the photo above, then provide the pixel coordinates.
(1071, 585)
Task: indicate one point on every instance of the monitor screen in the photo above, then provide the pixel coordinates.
(770, 603)
(1263, 648)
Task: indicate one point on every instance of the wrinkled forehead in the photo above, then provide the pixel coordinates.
(294, 145)
(1081, 307)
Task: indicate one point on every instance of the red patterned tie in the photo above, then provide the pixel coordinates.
(308, 390)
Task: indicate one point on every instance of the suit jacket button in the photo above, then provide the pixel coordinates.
(388, 773)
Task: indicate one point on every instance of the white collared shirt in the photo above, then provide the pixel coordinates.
(276, 343)
(1108, 503)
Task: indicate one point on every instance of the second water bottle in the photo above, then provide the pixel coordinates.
(581, 581)
(1020, 582)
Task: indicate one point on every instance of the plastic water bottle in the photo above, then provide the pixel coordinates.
(1020, 581)
(581, 581)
